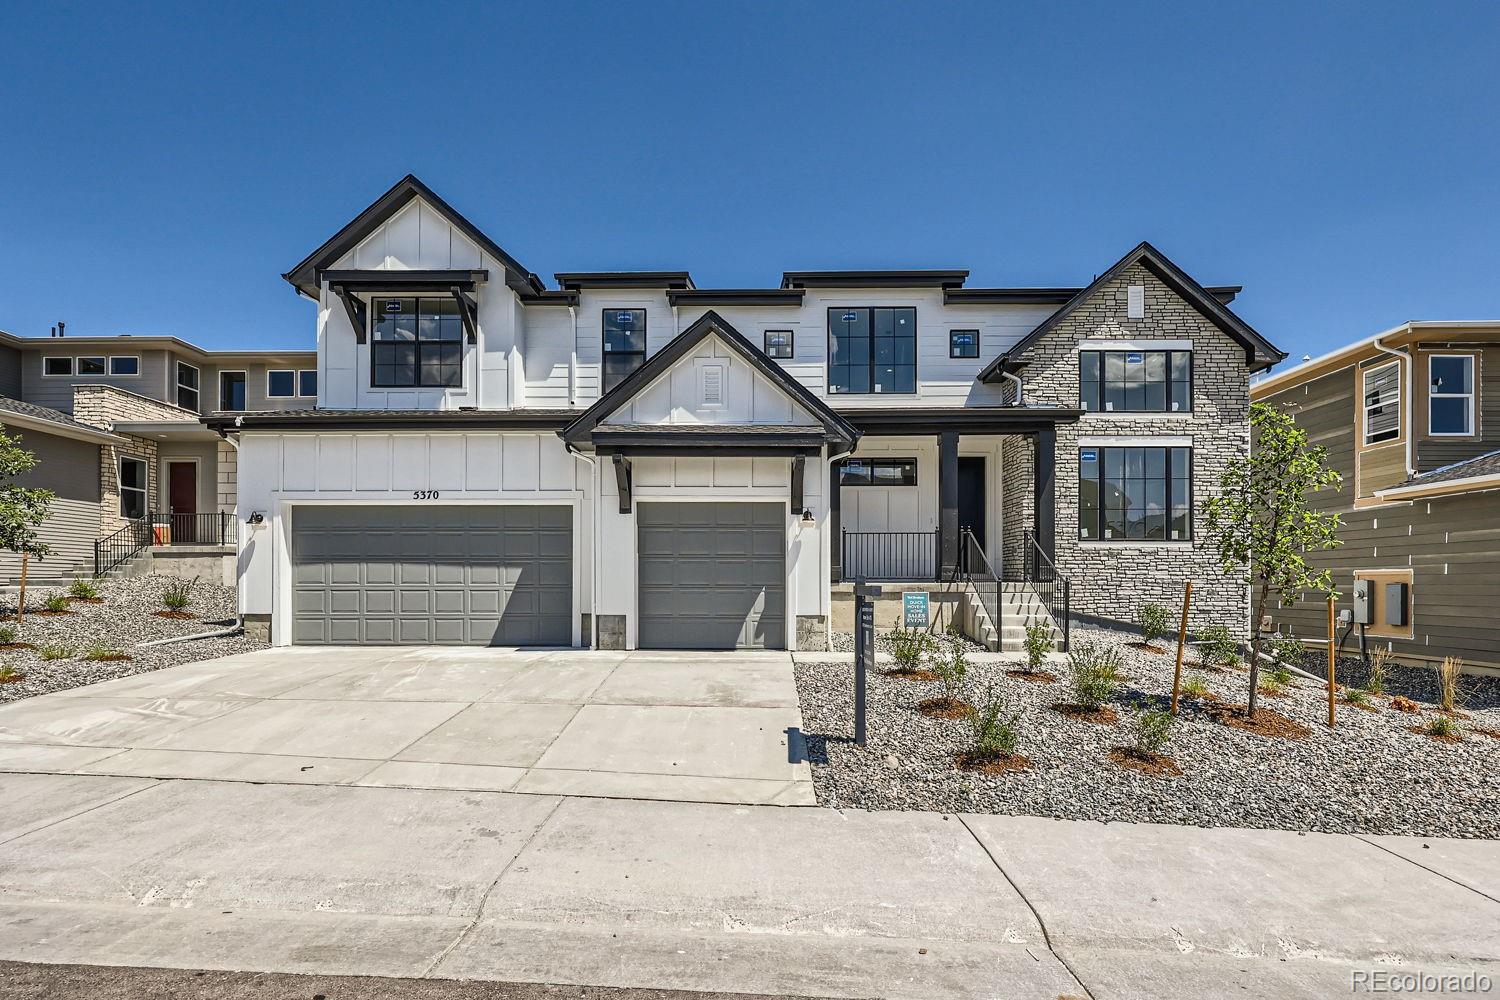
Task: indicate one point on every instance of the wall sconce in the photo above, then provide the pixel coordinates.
(256, 518)
(807, 516)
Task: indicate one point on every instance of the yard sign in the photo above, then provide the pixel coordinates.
(914, 609)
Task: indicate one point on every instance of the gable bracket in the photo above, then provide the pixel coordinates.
(354, 308)
(469, 310)
(799, 474)
(622, 482)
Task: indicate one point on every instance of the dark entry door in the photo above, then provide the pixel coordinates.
(182, 501)
(971, 498)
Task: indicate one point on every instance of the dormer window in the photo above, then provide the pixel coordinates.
(417, 343)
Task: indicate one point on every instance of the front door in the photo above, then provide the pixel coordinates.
(971, 498)
(182, 500)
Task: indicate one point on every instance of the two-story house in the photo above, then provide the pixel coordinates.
(630, 461)
(115, 424)
(1411, 418)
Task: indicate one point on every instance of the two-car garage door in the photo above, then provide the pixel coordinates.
(497, 575)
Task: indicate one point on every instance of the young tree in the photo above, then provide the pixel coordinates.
(22, 509)
(1262, 523)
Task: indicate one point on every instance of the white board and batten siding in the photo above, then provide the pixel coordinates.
(712, 385)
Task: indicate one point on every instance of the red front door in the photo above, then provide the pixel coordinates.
(182, 499)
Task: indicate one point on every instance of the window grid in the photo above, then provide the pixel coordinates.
(417, 343)
(963, 343)
(872, 350)
(1450, 396)
(624, 344)
(778, 345)
(1135, 381)
(1135, 494)
(1382, 403)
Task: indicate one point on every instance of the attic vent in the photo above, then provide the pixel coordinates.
(711, 384)
(1135, 302)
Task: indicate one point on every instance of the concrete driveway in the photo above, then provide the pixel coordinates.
(703, 727)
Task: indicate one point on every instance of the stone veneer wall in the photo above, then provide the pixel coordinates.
(228, 461)
(101, 406)
(1111, 579)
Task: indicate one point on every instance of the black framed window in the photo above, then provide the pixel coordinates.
(963, 343)
(280, 383)
(779, 344)
(1135, 494)
(417, 343)
(231, 390)
(872, 350)
(132, 488)
(624, 344)
(878, 472)
(1135, 381)
(307, 382)
(187, 386)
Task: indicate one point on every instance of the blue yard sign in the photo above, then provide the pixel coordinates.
(914, 609)
(1133, 358)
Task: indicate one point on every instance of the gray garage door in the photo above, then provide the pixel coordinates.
(712, 575)
(472, 576)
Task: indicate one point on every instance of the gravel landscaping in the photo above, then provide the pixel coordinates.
(1371, 774)
(125, 615)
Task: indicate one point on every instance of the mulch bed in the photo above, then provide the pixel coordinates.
(910, 675)
(1366, 707)
(1406, 705)
(945, 708)
(984, 764)
(111, 658)
(1265, 723)
(87, 600)
(1156, 764)
(175, 615)
(1440, 737)
(1493, 734)
(44, 613)
(14, 679)
(1148, 648)
(1034, 676)
(1101, 716)
(7, 647)
(1266, 692)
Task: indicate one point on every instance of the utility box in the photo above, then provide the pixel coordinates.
(1396, 600)
(1364, 603)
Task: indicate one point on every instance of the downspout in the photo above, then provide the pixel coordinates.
(1020, 399)
(239, 592)
(593, 544)
(573, 360)
(1408, 401)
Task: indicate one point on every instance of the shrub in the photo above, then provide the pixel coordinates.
(1194, 686)
(56, 602)
(1093, 673)
(1154, 620)
(1442, 725)
(1282, 676)
(9, 674)
(54, 651)
(83, 590)
(7, 635)
(1375, 683)
(1218, 647)
(177, 595)
(1357, 696)
(953, 672)
(993, 725)
(1038, 645)
(1289, 650)
(1152, 729)
(1447, 675)
(98, 651)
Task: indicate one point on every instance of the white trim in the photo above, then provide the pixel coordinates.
(1135, 442)
(1364, 405)
(277, 395)
(72, 365)
(301, 372)
(1120, 543)
(1135, 344)
(1443, 487)
(1472, 396)
(121, 488)
(219, 389)
(1094, 415)
(177, 380)
(109, 366)
(78, 365)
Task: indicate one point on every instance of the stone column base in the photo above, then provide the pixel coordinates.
(812, 633)
(258, 627)
(611, 631)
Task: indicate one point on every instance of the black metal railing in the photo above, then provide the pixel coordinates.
(194, 529)
(1050, 586)
(889, 556)
(974, 569)
(122, 545)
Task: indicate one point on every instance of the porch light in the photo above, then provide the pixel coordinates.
(807, 517)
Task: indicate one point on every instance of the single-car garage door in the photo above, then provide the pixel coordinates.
(712, 575)
(472, 576)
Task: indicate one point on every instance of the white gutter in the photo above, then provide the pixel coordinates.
(1408, 402)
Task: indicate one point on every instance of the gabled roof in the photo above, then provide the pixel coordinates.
(1482, 472)
(1259, 352)
(836, 428)
(304, 277)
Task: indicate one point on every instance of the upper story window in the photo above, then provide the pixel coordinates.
(878, 472)
(963, 343)
(417, 343)
(1135, 494)
(779, 344)
(57, 366)
(125, 365)
(307, 383)
(285, 383)
(187, 386)
(232, 391)
(1450, 395)
(872, 350)
(624, 344)
(91, 366)
(1135, 381)
(1382, 403)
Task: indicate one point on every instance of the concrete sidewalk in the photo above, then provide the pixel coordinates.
(339, 879)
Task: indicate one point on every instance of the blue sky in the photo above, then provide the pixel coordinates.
(163, 166)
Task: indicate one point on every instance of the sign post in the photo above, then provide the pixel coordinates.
(1187, 603)
(864, 651)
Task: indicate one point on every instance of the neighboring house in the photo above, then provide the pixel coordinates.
(1411, 418)
(631, 461)
(116, 424)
